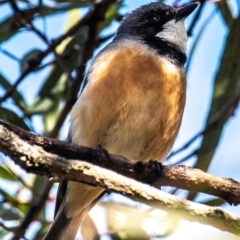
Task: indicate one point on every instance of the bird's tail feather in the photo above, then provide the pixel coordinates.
(64, 228)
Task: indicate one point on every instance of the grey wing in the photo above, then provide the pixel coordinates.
(62, 188)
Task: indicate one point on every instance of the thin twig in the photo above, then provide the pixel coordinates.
(10, 55)
(57, 56)
(33, 212)
(19, 178)
(5, 227)
(198, 36)
(41, 36)
(196, 18)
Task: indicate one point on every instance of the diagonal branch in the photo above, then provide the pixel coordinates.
(48, 157)
(21, 147)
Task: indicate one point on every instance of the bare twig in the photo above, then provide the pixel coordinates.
(198, 36)
(196, 18)
(64, 56)
(10, 55)
(41, 36)
(18, 177)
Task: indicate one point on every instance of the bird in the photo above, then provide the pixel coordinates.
(131, 103)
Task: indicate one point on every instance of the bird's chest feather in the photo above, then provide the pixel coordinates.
(136, 101)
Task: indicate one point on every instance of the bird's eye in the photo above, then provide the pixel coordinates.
(155, 18)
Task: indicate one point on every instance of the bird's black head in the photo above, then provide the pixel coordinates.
(157, 23)
(147, 20)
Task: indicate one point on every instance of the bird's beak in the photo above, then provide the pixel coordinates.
(185, 11)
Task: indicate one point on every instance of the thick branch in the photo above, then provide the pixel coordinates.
(48, 157)
(176, 176)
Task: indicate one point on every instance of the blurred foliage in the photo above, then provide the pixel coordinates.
(60, 67)
(226, 91)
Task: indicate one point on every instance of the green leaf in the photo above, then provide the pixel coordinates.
(5, 31)
(22, 207)
(70, 64)
(39, 185)
(40, 107)
(3, 233)
(11, 117)
(49, 118)
(111, 14)
(5, 174)
(26, 60)
(9, 26)
(9, 213)
(7, 197)
(54, 89)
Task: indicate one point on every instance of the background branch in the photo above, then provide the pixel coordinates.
(94, 13)
(33, 212)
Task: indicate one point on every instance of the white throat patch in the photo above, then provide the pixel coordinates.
(175, 32)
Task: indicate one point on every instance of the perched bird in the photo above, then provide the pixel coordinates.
(132, 103)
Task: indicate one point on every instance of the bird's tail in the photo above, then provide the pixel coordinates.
(78, 199)
(64, 228)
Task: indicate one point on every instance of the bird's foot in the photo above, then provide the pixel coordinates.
(156, 166)
(156, 169)
(101, 152)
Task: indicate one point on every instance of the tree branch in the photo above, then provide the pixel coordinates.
(48, 157)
